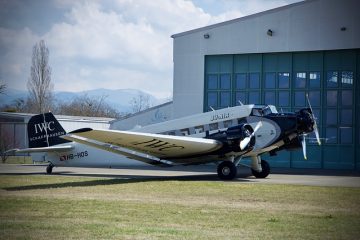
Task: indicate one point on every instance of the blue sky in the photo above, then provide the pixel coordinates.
(114, 44)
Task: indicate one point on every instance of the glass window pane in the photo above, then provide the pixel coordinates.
(346, 116)
(269, 80)
(270, 98)
(240, 96)
(284, 80)
(212, 99)
(332, 79)
(346, 135)
(314, 97)
(299, 99)
(254, 80)
(331, 98)
(314, 79)
(240, 81)
(347, 79)
(254, 97)
(284, 99)
(212, 82)
(300, 80)
(331, 117)
(317, 116)
(225, 82)
(225, 99)
(331, 135)
(346, 97)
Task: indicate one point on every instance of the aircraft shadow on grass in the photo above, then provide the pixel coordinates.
(112, 180)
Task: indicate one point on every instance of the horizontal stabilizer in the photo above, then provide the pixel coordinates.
(64, 148)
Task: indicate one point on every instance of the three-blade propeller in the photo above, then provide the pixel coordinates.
(247, 140)
(316, 131)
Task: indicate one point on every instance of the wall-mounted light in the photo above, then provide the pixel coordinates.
(269, 32)
(206, 36)
(343, 29)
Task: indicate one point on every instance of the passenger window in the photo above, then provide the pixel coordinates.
(185, 132)
(213, 126)
(228, 124)
(199, 129)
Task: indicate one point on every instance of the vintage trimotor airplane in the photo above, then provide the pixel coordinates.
(224, 136)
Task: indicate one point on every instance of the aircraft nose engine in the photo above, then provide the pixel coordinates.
(305, 121)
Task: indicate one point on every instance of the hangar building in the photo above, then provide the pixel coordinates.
(277, 57)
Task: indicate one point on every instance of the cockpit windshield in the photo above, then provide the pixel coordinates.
(263, 110)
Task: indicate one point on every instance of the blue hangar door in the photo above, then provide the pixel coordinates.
(332, 80)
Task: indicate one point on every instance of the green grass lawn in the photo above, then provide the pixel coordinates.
(63, 207)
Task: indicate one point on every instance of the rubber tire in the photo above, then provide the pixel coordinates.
(265, 170)
(49, 169)
(227, 170)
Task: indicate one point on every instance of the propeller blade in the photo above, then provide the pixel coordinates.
(303, 143)
(246, 140)
(244, 143)
(315, 125)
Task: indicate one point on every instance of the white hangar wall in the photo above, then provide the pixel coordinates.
(306, 26)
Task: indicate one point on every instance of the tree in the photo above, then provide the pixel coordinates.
(140, 103)
(2, 88)
(88, 106)
(39, 83)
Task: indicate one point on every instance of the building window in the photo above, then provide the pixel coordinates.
(270, 80)
(284, 80)
(331, 98)
(346, 135)
(300, 99)
(347, 79)
(314, 97)
(240, 96)
(225, 82)
(346, 116)
(331, 117)
(300, 80)
(212, 99)
(225, 99)
(240, 81)
(332, 79)
(346, 98)
(331, 135)
(212, 82)
(270, 98)
(284, 99)
(254, 80)
(254, 97)
(314, 79)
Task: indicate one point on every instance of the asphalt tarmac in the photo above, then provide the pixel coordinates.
(197, 173)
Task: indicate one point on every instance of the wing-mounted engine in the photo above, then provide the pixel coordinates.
(236, 139)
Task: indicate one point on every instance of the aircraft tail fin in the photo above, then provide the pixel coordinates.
(44, 131)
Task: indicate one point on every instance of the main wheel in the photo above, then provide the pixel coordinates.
(265, 170)
(227, 170)
(49, 169)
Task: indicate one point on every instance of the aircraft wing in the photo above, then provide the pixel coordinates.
(63, 148)
(157, 145)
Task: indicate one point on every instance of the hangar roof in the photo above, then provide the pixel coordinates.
(240, 19)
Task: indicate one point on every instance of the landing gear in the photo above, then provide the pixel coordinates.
(265, 170)
(49, 168)
(227, 170)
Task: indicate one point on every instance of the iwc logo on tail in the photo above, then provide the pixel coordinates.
(44, 130)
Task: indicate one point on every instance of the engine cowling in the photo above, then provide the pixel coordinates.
(232, 137)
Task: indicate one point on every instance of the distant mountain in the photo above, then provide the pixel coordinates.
(118, 98)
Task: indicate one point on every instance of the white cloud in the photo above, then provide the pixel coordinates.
(114, 43)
